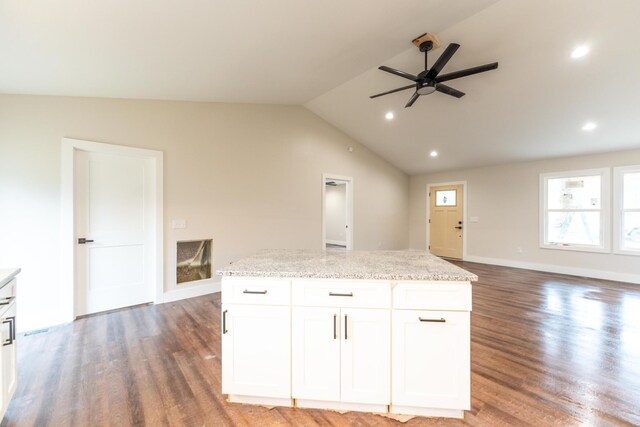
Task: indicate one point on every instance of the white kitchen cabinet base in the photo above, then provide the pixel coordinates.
(426, 412)
(341, 406)
(257, 400)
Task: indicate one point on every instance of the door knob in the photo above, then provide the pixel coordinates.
(82, 241)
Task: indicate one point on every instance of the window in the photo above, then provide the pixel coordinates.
(446, 198)
(627, 210)
(575, 210)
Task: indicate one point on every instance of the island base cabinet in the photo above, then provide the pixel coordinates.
(341, 356)
(430, 362)
(256, 352)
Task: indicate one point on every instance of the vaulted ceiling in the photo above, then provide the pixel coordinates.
(325, 55)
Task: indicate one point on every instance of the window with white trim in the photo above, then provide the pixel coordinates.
(627, 210)
(575, 210)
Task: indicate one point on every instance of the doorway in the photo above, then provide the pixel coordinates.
(445, 222)
(337, 212)
(115, 225)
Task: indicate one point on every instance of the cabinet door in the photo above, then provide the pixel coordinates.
(9, 368)
(430, 354)
(256, 349)
(316, 353)
(366, 356)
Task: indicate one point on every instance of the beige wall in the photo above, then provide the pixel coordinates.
(505, 199)
(248, 176)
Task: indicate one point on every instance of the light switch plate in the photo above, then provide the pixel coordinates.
(178, 223)
(474, 219)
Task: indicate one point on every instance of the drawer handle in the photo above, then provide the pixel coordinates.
(441, 320)
(254, 292)
(224, 322)
(335, 327)
(345, 327)
(12, 330)
(335, 294)
(7, 300)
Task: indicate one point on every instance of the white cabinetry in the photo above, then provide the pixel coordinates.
(338, 344)
(341, 354)
(8, 365)
(431, 365)
(256, 342)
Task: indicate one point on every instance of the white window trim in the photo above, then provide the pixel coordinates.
(605, 210)
(618, 229)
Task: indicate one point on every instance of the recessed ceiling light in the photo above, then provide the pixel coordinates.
(580, 51)
(434, 153)
(389, 116)
(589, 126)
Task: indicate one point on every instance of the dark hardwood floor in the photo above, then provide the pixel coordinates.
(546, 349)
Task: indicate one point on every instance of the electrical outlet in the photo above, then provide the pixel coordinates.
(519, 250)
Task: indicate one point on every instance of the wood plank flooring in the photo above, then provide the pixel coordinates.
(546, 350)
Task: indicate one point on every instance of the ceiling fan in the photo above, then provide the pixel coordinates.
(430, 80)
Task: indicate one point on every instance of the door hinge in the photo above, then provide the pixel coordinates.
(429, 246)
(429, 220)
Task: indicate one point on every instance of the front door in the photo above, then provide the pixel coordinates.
(114, 206)
(445, 221)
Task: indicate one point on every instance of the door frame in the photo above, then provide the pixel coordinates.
(464, 213)
(68, 265)
(349, 202)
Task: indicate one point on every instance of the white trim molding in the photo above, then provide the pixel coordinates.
(619, 210)
(605, 210)
(465, 221)
(191, 292)
(559, 269)
(67, 229)
(349, 190)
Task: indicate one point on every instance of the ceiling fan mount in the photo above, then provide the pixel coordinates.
(430, 80)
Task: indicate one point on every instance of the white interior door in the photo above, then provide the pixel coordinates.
(114, 211)
(316, 353)
(256, 350)
(366, 356)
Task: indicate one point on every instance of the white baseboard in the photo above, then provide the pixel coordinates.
(191, 291)
(560, 269)
(336, 242)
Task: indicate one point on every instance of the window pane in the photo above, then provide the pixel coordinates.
(446, 198)
(581, 228)
(631, 230)
(631, 190)
(581, 192)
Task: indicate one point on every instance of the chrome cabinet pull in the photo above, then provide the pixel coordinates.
(336, 294)
(335, 326)
(441, 320)
(254, 292)
(224, 322)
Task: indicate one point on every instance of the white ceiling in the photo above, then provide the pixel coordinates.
(533, 106)
(324, 54)
(275, 51)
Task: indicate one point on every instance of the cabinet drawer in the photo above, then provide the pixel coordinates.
(8, 291)
(432, 296)
(337, 293)
(249, 290)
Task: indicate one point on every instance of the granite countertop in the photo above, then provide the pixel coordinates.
(6, 274)
(372, 265)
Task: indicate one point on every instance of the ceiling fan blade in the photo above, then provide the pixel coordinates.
(412, 100)
(442, 61)
(467, 72)
(449, 90)
(392, 91)
(398, 72)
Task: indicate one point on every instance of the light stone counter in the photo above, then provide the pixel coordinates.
(6, 274)
(368, 265)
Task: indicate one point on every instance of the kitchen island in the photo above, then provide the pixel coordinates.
(377, 331)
